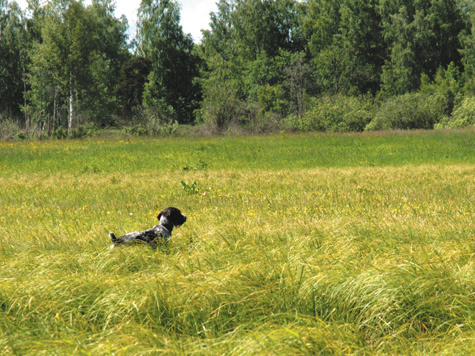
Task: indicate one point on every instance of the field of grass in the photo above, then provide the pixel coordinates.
(354, 244)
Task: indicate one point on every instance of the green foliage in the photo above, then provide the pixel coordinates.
(20, 135)
(59, 133)
(82, 131)
(221, 104)
(8, 129)
(159, 117)
(409, 111)
(131, 84)
(265, 27)
(271, 99)
(320, 23)
(135, 130)
(349, 60)
(13, 58)
(334, 114)
(164, 129)
(463, 115)
(248, 53)
(76, 62)
(297, 83)
(191, 188)
(447, 83)
(467, 50)
(422, 36)
(78, 132)
(66, 64)
(173, 61)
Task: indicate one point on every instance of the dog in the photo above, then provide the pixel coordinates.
(168, 219)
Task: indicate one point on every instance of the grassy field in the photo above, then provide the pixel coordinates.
(359, 244)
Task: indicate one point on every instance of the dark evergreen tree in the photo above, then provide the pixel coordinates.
(131, 84)
(174, 63)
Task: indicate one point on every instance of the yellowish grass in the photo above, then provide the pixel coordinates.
(355, 260)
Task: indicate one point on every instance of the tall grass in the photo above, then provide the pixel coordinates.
(334, 244)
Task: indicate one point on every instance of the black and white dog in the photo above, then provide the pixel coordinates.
(168, 219)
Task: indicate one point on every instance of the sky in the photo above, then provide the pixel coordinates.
(194, 14)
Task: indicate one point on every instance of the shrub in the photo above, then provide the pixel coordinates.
(334, 114)
(138, 130)
(59, 133)
(164, 129)
(160, 118)
(409, 111)
(446, 83)
(222, 106)
(8, 129)
(83, 131)
(462, 116)
(271, 99)
(20, 135)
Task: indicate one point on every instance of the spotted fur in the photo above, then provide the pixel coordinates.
(168, 219)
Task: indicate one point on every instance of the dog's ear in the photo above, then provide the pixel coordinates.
(172, 216)
(113, 238)
(162, 213)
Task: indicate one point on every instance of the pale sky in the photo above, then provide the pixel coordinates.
(194, 14)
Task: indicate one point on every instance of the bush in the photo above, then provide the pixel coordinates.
(20, 135)
(222, 106)
(263, 123)
(446, 83)
(59, 133)
(271, 100)
(138, 130)
(9, 130)
(409, 111)
(78, 132)
(83, 131)
(462, 116)
(334, 114)
(159, 118)
(163, 129)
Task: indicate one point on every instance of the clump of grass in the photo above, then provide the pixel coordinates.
(275, 260)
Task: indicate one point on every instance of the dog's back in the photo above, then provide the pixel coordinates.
(168, 218)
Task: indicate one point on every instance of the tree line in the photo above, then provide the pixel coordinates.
(328, 65)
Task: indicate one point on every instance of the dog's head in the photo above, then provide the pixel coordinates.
(171, 216)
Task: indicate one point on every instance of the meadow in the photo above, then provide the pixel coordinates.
(345, 244)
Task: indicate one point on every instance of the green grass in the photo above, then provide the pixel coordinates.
(295, 245)
(240, 153)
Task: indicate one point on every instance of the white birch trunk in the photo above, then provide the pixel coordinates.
(71, 107)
